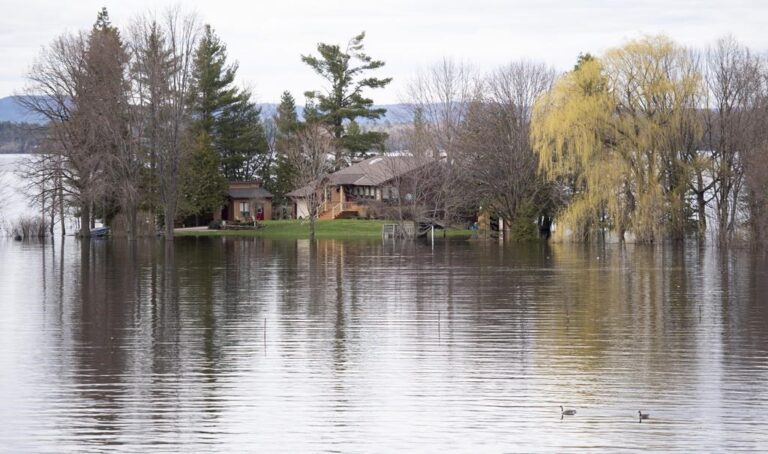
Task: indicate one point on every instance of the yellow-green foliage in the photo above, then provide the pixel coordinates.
(613, 128)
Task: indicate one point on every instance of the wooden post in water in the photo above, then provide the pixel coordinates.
(433, 235)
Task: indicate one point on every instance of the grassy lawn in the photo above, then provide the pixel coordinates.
(337, 229)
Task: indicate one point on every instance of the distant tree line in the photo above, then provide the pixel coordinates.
(19, 137)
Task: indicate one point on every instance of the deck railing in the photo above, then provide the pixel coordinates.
(336, 208)
(344, 206)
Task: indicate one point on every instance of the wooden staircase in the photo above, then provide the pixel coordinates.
(339, 210)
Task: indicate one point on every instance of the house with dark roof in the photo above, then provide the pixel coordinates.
(247, 201)
(349, 192)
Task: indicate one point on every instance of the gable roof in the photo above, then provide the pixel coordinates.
(248, 192)
(370, 172)
(377, 170)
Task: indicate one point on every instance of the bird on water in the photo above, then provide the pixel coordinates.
(643, 415)
(567, 412)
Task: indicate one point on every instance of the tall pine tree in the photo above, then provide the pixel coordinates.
(286, 124)
(203, 185)
(225, 113)
(344, 102)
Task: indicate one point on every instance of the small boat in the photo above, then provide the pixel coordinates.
(100, 232)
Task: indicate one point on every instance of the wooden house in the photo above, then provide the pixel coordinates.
(349, 192)
(247, 201)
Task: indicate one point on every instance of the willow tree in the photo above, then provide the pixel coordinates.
(569, 129)
(621, 130)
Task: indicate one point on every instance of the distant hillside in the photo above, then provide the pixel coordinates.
(11, 111)
(396, 113)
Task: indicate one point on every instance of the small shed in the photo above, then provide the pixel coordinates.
(247, 201)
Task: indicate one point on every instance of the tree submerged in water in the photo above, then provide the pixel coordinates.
(617, 130)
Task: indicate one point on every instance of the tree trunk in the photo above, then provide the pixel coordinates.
(170, 214)
(312, 218)
(52, 215)
(702, 210)
(92, 218)
(85, 220)
(130, 214)
(61, 208)
(41, 232)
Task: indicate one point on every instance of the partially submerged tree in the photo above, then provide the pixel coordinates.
(57, 81)
(499, 168)
(734, 89)
(344, 101)
(42, 187)
(613, 128)
(181, 32)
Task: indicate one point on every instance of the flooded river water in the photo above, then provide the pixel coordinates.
(250, 345)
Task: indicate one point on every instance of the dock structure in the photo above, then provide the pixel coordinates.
(404, 230)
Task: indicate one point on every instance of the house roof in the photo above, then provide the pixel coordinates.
(370, 172)
(301, 192)
(249, 193)
(377, 170)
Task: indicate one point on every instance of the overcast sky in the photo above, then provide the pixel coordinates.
(268, 37)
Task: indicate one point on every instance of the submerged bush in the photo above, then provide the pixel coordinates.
(27, 227)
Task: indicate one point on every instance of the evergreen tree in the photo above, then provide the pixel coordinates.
(204, 187)
(226, 113)
(286, 118)
(344, 102)
(286, 123)
(241, 141)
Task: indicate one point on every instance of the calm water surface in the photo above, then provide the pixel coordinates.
(247, 345)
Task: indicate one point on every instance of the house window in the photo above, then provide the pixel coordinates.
(244, 210)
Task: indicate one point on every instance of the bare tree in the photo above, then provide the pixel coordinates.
(756, 160)
(107, 104)
(424, 191)
(162, 57)
(309, 154)
(57, 82)
(498, 167)
(733, 80)
(440, 96)
(42, 176)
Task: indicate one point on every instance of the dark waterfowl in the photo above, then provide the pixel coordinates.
(567, 412)
(643, 415)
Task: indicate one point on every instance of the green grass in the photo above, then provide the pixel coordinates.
(339, 229)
